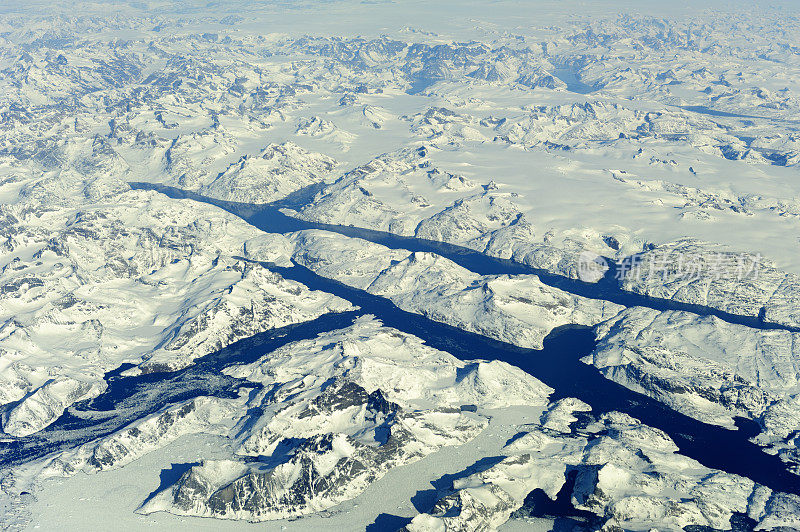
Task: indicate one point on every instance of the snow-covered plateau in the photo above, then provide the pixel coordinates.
(402, 265)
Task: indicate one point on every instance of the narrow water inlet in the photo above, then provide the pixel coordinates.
(557, 365)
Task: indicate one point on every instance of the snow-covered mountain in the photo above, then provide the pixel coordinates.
(273, 262)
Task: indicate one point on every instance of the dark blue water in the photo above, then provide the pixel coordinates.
(557, 365)
(127, 399)
(269, 219)
(712, 446)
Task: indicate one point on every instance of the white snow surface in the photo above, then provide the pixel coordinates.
(541, 132)
(517, 309)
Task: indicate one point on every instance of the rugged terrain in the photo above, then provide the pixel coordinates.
(273, 263)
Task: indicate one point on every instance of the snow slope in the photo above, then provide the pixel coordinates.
(658, 135)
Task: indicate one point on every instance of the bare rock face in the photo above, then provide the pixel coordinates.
(322, 471)
(323, 437)
(138, 326)
(623, 474)
(706, 368)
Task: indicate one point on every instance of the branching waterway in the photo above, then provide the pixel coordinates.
(270, 219)
(558, 365)
(128, 398)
